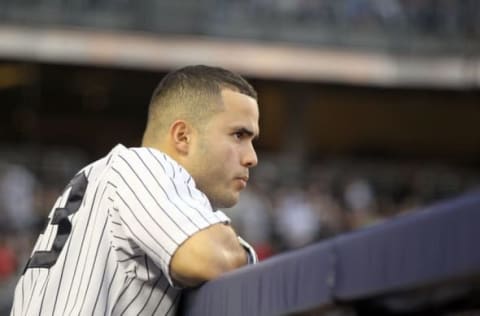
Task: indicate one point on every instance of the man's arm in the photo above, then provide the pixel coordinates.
(206, 255)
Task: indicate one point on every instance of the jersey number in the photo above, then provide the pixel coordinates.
(46, 259)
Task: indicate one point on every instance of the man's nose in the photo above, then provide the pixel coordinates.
(250, 157)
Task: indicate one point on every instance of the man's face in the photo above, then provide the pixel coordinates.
(223, 151)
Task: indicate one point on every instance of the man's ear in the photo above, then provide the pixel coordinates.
(181, 134)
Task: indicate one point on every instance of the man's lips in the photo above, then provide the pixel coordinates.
(243, 180)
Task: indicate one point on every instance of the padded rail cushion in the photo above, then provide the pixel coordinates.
(294, 281)
(436, 244)
(430, 246)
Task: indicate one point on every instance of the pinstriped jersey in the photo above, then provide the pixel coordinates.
(111, 236)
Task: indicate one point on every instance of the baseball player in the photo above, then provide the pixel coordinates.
(135, 227)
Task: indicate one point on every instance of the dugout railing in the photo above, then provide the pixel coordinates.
(423, 263)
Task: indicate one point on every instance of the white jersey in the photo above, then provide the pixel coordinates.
(111, 236)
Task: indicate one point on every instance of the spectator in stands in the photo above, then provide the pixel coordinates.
(252, 218)
(296, 221)
(17, 194)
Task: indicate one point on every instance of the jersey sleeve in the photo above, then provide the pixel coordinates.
(158, 204)
(252, 254)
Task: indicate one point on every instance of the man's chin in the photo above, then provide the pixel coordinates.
(226, 203)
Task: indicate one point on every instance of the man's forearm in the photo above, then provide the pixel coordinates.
(207, 255)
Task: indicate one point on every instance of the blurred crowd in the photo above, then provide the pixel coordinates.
(459, 18)
(287, 204)
(421, 16)
(31, 179)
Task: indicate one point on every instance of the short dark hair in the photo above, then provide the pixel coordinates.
(193, 92)
(207, 78)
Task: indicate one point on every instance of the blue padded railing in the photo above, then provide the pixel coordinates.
(431, 247)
